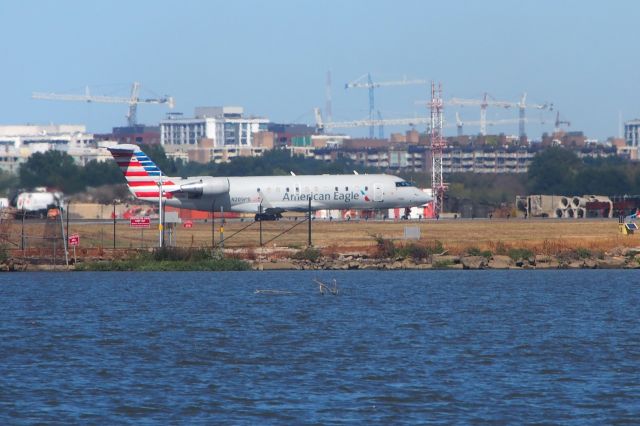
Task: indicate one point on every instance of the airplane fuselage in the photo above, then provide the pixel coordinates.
(293, 193)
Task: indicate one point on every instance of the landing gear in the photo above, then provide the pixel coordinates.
(407, 213)
(260, 217)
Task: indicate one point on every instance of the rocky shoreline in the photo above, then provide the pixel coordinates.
(619, 258)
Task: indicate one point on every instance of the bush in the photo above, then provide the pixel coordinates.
(500, 248)
(182, 254)
(475, 251)
(4, 254)
(170, 259)
(583, 253)
(442, 264)
(519, 253)
(310, 254)
(385, 247)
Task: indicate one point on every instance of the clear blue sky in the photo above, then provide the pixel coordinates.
(271, 57)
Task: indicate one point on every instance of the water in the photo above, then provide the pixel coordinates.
(441, 347)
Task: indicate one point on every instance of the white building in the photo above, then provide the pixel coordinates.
(632, 133)
(17, 143)
(225, 126)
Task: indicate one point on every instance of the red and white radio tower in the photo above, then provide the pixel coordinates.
(437, 147)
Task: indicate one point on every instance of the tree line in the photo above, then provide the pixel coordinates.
(553, 171)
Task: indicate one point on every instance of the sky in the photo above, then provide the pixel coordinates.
(271, 57)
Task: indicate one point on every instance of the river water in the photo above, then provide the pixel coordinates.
(398, 347)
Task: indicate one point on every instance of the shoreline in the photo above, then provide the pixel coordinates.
(618, 258)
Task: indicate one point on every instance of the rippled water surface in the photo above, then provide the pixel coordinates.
(441, 347)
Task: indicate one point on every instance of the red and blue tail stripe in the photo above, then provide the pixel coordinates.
(141, 173)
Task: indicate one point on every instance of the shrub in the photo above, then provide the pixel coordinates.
(385, 247)
(441, 264)
(500, 248)
(475, 251)
(519, 253)
(311, 254)
(583, 253)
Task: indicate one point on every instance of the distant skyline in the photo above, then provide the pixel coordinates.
(272, 57)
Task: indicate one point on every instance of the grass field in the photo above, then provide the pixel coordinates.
(539, 235)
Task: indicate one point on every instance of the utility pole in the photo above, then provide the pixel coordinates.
(114, 224)
(160, 215)
(260, 223)
(309, 226)
(213, 224)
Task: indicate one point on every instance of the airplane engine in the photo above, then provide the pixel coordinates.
(212, 186)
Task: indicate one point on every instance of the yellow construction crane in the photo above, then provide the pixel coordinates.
(133, 100)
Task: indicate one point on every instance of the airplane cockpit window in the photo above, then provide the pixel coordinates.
(403, 183)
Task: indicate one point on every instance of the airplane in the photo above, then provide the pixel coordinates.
(265, 196)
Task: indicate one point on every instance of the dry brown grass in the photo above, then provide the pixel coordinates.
(547, 236)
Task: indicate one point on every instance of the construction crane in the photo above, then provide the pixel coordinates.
(460, 124)
(133, 100)
(321, 125)
(559, 122)
(413, 121)
(488, 101)
(361, 83)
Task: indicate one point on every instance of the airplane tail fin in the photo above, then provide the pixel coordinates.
(139, 170)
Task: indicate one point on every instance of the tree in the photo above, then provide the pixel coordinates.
(54, 169)
(554, 171)
(97, 173)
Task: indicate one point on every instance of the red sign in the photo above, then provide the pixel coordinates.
(74, 240)
(140, 222)
(187, 224)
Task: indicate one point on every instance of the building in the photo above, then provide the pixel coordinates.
(225, 126)
(19, 142)
(392, 157)
(487, 160)
(632, 133)
(137, 135)
(284, 133)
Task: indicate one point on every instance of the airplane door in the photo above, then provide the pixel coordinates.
(378, 192)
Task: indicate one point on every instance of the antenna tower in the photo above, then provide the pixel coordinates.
(437, 147)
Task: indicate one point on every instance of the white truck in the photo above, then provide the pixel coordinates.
(37, 204)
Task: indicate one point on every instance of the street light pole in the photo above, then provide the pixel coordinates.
(68, 207)
(213, 224)
(114, 223)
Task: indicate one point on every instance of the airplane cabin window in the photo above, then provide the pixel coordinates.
(366, 188)
(346, 188)
(258, 190)
(287, 189)
(336, 188)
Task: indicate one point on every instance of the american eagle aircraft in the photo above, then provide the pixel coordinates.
(266, 196)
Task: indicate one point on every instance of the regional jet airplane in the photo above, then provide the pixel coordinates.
(266, 196)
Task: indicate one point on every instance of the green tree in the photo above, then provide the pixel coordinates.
(554, 171)
(101, 173)
(54, 169)
(8, 181)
